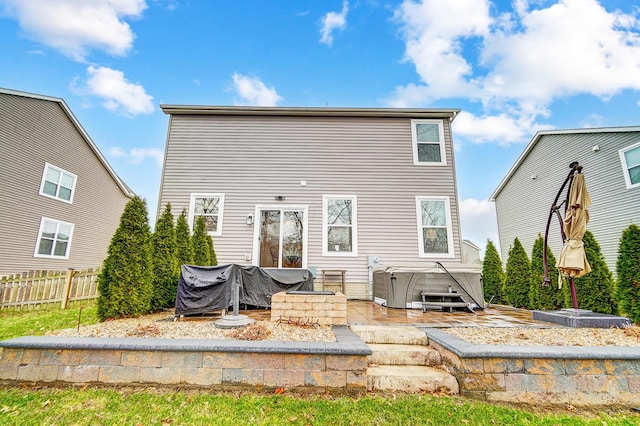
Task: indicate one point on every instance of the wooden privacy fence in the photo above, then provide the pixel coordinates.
(38, 289)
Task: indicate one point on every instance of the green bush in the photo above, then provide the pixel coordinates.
(596, 290)
(201, 249)
(165, 264)
(518, 276)
(213, 259)
(544, 295)
(184, 247)
(492, 274)
(126, 280)
(628, 270)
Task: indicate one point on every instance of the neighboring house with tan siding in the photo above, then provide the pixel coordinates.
(60, 201)
(611, 160)
(317, 188)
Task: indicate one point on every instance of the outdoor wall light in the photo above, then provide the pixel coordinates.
(250, 219)
(596, 148)
(534, 177)
(279, 197)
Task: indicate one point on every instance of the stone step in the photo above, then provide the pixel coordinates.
(411, 379)
(395, 354)
(404, 335)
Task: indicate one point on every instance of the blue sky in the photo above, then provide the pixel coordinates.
(512, 67)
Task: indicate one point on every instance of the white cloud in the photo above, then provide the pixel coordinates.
(253, 91)
(478, 222)
(593, 120)
(138, 155)
(572, 47)
(433, 42)
(501, 128)
(525, 60)
(74, 27)
(333, 21)
(119, 95)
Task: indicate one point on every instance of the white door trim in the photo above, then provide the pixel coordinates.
(282, 207)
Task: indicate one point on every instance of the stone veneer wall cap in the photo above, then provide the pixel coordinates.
(347, 344)
(465, 349)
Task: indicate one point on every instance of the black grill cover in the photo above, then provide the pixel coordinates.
(203, 289)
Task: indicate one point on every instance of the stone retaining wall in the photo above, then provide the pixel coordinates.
(334, 366)
(321, 309)
(542, 375)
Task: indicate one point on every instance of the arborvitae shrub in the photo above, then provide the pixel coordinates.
(184, 247)
(126, 280)
(165, 263)
(628, 270)
(201, 250)
(213, 259)
(518, 276)
(492, 274)
(596, 290)
(544, 295)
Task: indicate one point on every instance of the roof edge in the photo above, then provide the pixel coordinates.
(123, 186)
(539, 134)
(308, 111)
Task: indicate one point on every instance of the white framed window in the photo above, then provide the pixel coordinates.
(58, 183)
(630, 158)
(339, 225)
(435, 232)
(428, 142)
(210, 206)
(54, 239)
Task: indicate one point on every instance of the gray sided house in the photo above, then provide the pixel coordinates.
(317, 188)
(60, 201)
(611, 160)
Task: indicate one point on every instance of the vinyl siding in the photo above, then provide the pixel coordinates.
(32, 132)
(524, 203)
(252, 159)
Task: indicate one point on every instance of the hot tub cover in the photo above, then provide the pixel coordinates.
(203, 289)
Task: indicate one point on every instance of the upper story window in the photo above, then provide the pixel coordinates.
(54, 239)
(428, 142)
(339, 237)
(58, 183)
(630, 158)
(434, 227)
(209, 206)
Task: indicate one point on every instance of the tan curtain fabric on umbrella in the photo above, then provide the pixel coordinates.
(572, 261)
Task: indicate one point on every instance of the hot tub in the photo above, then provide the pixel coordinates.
(401, 286)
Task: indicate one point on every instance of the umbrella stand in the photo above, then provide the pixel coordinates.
(573, 261)
(575, 168)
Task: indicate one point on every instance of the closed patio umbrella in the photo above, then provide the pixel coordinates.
(572, 261)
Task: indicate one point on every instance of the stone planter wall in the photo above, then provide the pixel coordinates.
(309, 308)
(542, 375)
(335, 366)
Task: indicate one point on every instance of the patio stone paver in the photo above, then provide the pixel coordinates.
(364, 312)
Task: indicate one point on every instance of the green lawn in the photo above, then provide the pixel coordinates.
(148, 406)
(37, 323)
(138, 407)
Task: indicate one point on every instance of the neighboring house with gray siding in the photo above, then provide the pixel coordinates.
(470, 253)
(60, 201)
(611, 160)
(317, 188)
